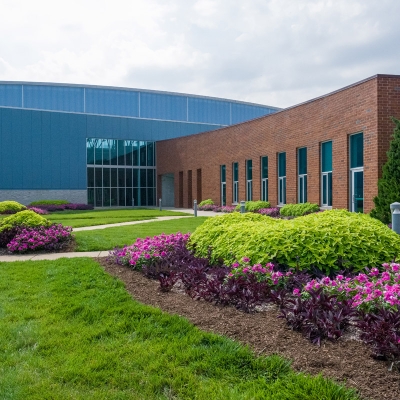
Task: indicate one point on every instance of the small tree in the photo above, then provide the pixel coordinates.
(389, 184)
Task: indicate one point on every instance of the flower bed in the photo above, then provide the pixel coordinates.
(319, 307)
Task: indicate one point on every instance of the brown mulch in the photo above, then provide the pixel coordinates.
(347, 360)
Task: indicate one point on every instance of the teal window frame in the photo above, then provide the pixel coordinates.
(223, 184)
(264, 178)
(282, 178)
(235, 183)
(249, 180)
(302, 174)
(356, 162)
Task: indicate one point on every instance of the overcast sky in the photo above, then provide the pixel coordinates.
(274, 52)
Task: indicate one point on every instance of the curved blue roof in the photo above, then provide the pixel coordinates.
(125, 102)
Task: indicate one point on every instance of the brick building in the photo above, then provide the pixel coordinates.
(329, 150)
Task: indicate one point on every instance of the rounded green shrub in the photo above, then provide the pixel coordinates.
(49, 202)
(297, 210)
(207, 202)
(10, 206)
(329, 240)
(253, 206)
(25, 218)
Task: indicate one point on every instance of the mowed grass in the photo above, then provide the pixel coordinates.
(80, 218)
(109, 238)
(70, 331)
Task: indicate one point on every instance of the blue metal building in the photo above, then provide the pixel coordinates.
(97, 144)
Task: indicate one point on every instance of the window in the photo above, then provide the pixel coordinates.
(114, 177)
(302, 171)
(223, 185)
(235, 188)
(281, 179)
(249, 180)
(326, 174)
(264, 178)
(357, 172)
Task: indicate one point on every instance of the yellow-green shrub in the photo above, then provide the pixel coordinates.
(297, 210)
(252, 206)
(23, 218)
(321, 239)
(207, 202)
(10, 206)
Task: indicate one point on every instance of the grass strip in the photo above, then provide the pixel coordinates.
(109, 238)
(80, 218)
(69, 330)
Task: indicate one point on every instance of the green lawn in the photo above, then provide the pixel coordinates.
(109, 238)
(102, 217)
(70, 331)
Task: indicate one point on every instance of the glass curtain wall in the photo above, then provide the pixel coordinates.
(326, 174)
(302, 171)
(249, 180)
(264, 178)
(223, 185)
(357, 172)
(235, 188)
(281, 179)
(120, 173)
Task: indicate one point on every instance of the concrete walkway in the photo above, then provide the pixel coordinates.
(104, 253)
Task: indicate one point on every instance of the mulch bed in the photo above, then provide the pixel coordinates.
(346, 361)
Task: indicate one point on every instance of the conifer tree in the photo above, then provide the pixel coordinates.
(389, 184)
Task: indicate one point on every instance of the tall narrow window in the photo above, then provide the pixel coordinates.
(281, 179)
(264, 178)
(235, 188)
(326, 174)
(249, 180)
(223, 185)
(302, 170)
(357, 172)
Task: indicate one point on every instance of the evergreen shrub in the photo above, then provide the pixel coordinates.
(330, 241)
(389, 184)
(297, 210)
(254, 206)
(10, 207)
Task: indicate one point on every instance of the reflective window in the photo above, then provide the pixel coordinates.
(357, 172)
(326, 174)
(302, 174)
(223, 185)
(113, 174)
(281, 178)
(249, 180)
(235, 188)
(264, 178)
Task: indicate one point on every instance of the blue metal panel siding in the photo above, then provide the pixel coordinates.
(163, 106)
(209, 111)
(244, 112)
(6, 150)
(112, 102)
(58, 98)
(47, 150)
(11, 95)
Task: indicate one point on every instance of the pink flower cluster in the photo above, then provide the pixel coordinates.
(266, 273)
(149, 250)
(40, 238)
(37, 210)
(367, 290)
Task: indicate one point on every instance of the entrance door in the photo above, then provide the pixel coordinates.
(357, 190)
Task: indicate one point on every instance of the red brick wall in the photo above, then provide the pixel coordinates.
(361, 107)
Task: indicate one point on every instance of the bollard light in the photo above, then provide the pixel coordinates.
(242, 207)
(133, 202)
(395, 210)
(195, 208)
(160, 204)
(394, 206)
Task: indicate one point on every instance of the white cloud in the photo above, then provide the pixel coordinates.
(277, 52)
